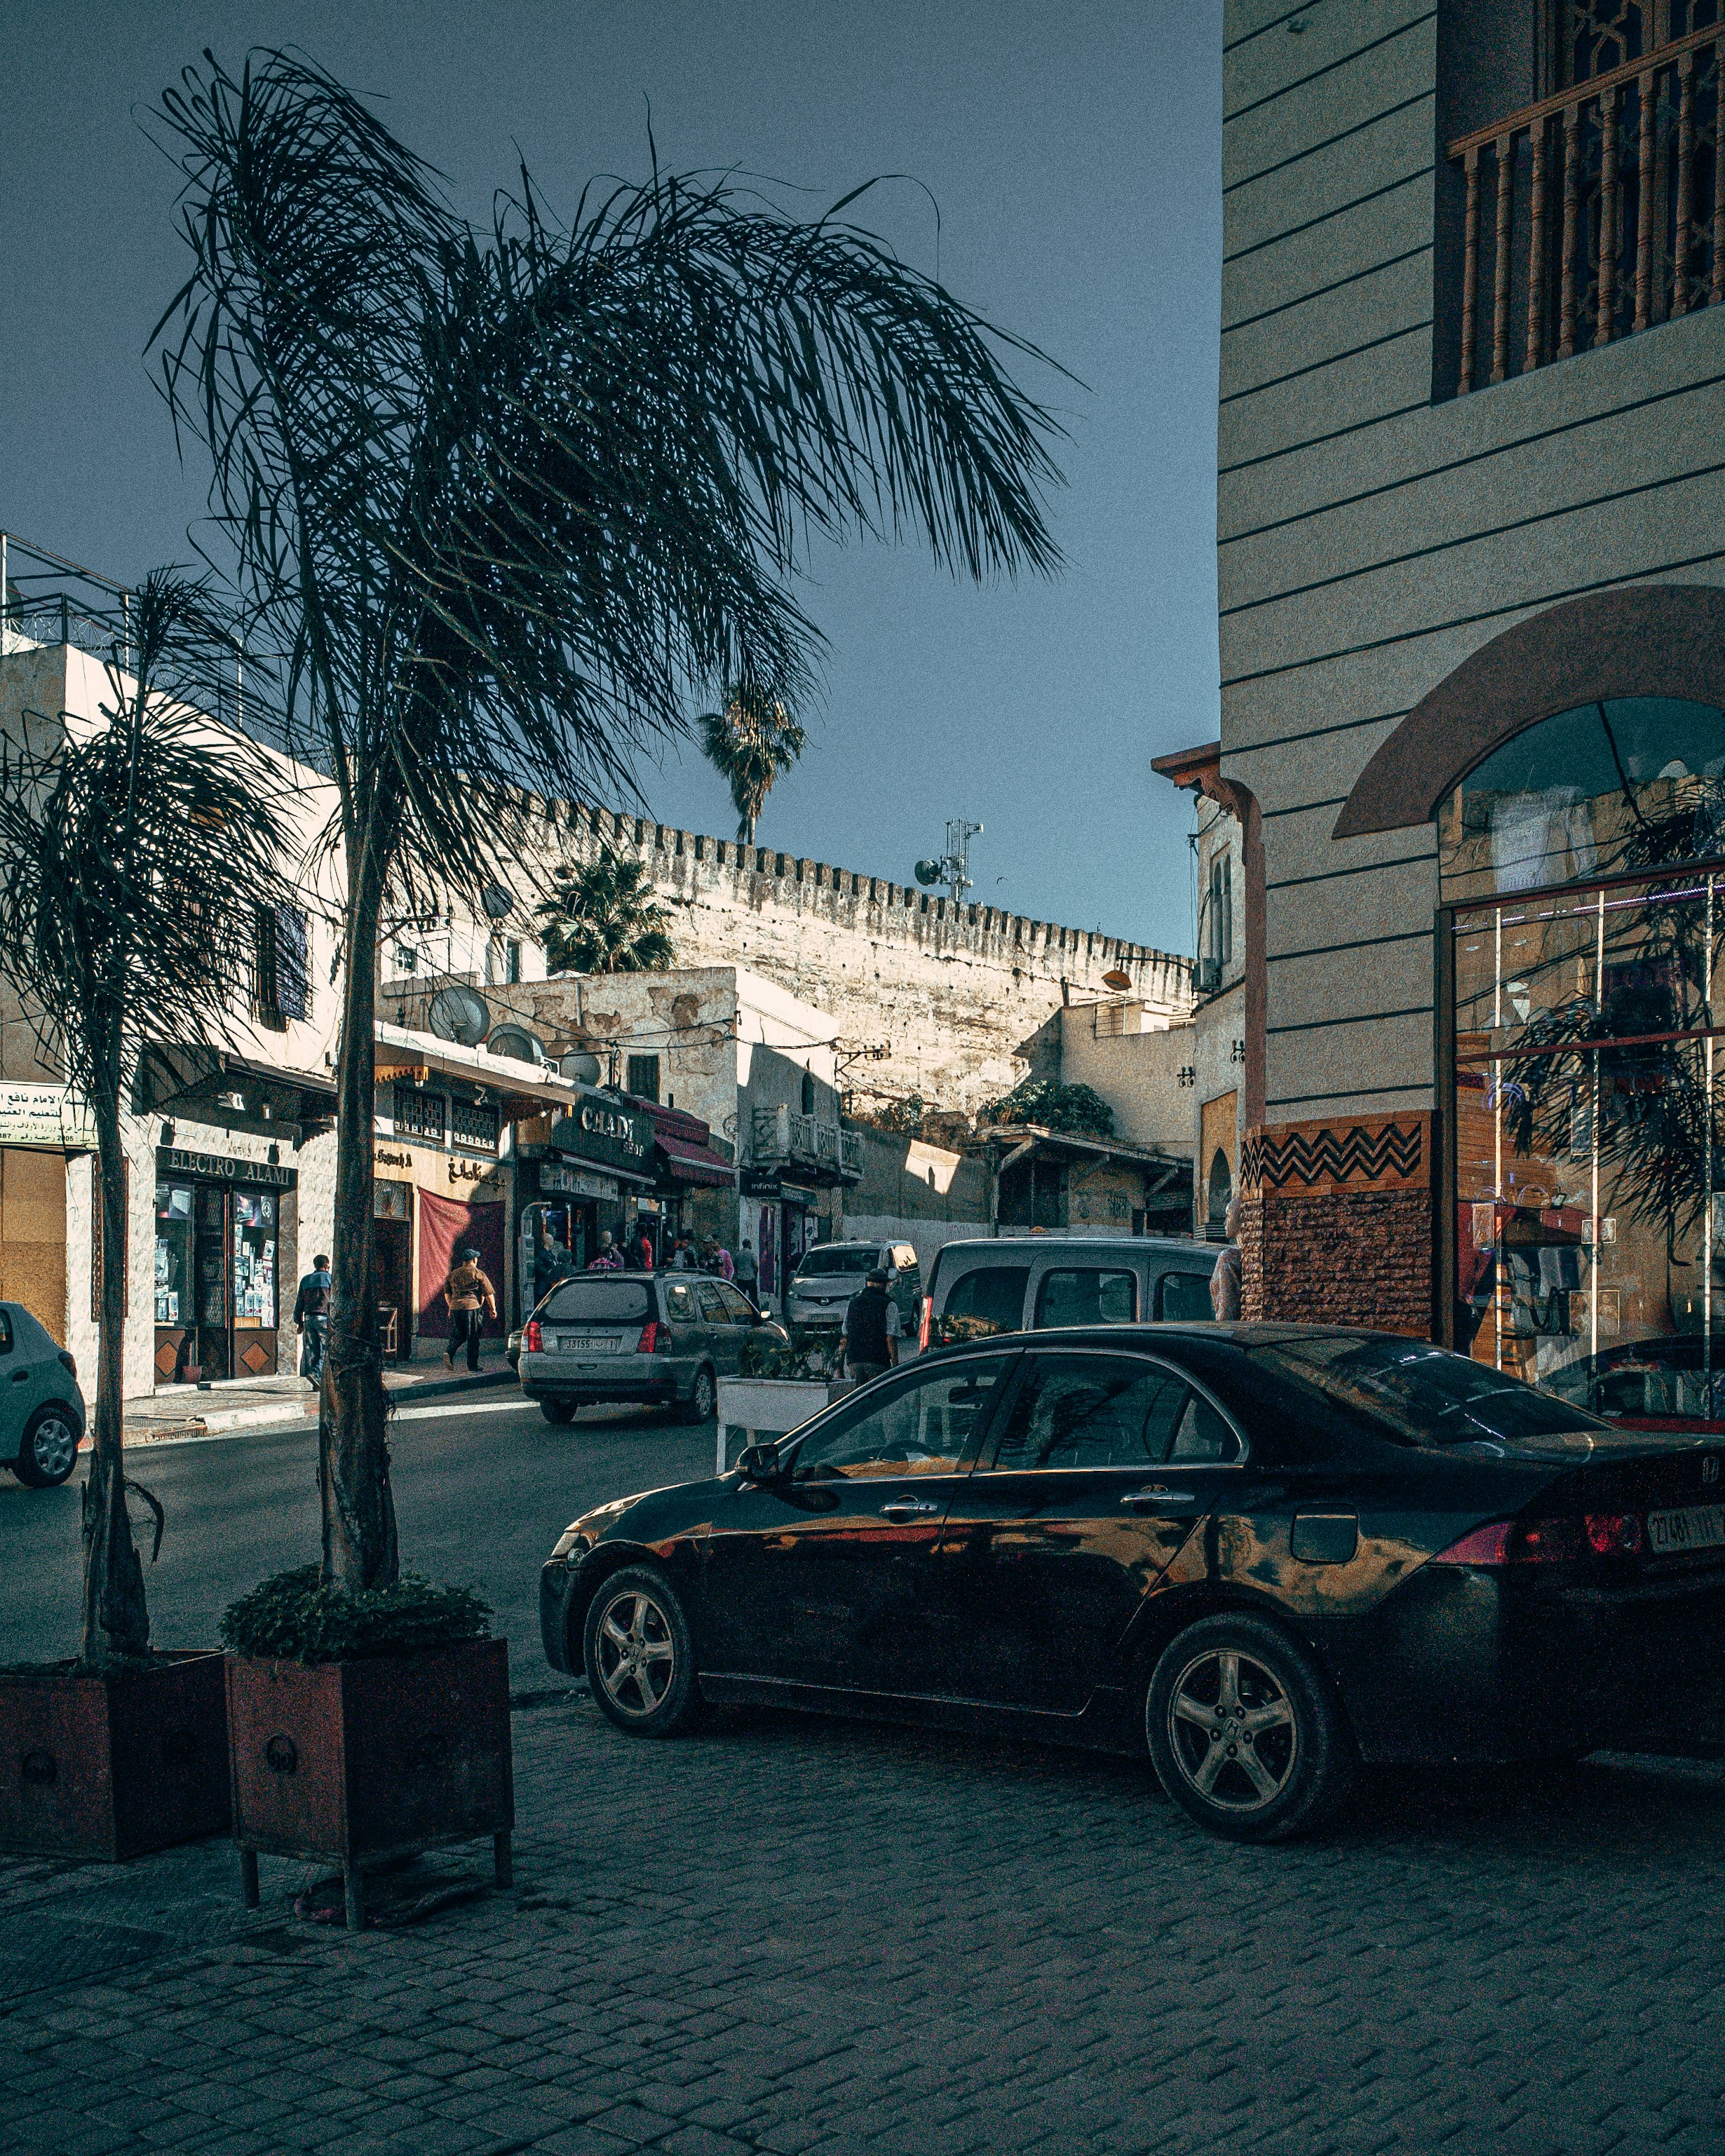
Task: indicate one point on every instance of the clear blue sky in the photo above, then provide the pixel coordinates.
(1074, 151)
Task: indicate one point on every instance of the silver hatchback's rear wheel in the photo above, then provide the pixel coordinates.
(1243, 1732)
(49, 1451)
(641, 1660)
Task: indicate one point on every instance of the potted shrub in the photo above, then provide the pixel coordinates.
(365, 1726)
(780, 1386)
(133, 857)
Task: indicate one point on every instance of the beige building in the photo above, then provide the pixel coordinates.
(1472, 633)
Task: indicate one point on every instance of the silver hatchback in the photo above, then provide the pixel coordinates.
(656, 1339)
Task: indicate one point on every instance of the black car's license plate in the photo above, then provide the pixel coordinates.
(1696, 1527)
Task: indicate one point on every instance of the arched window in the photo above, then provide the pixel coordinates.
(1221, 1190)
(1583, 874)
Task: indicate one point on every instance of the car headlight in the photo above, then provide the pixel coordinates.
(573, 1545)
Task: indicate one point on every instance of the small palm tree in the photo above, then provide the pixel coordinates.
(751, 743)
(133, 860)
(601, 917)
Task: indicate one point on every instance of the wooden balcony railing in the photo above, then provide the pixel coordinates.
(1594, 213)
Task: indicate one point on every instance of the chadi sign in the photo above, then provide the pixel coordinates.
(51, 1115)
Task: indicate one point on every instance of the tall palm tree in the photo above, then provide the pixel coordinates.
(133, 859)
(601, 917)
(500, 494)
(751, 743)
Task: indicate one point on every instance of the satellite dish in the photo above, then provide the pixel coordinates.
(582, 1068)
(1120, 982)
(459, 1015)
(517, 1043)
(498, 901)
(928, 871)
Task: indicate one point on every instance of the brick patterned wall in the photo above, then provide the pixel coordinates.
(1336, 1224)
(1342, 1258)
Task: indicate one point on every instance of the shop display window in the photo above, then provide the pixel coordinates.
(175, 1268)
(1584, 956)
(253, 1249)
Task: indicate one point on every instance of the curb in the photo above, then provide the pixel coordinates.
(221, 1422)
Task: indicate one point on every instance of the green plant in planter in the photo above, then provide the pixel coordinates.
(292, 1616)
(808, 1355)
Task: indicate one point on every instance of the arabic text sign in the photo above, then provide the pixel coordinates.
(45, 1116)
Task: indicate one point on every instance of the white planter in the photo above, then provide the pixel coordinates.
(754, 1409)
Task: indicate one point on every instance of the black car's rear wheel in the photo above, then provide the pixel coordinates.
(49, 1449)
(640, 1660)
(1243, 1731)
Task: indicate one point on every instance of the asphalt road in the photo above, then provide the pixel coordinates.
(482, 1490)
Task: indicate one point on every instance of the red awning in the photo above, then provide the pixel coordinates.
(686, 1162)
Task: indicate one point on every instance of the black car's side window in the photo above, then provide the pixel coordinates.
(1203, 1437)
(1092, 1411)
(923, 1425)
(5, 1332)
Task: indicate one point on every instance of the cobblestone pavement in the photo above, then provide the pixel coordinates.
(796, 1937)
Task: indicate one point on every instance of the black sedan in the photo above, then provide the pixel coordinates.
(1265, 1553)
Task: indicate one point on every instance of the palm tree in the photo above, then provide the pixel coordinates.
(751, 743)
(134, 858)
(601, 917)
(498, 496)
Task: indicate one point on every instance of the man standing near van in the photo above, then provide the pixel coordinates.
(1225, 1281)
(871, 1330)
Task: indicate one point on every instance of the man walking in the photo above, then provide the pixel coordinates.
(311, 1315)
(871, 1330)
(470, 1299)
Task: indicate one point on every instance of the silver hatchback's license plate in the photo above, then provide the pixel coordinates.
(585, 1343)
(1697, 1527)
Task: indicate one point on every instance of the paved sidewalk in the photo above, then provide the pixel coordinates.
(805, 1938)
(256, 1403)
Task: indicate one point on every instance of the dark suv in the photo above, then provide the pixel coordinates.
(655, 1338)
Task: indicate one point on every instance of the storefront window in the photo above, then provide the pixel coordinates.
(1585, 953)
(254, 1260)
(175, 1268)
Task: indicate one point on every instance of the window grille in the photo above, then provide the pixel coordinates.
(644, 1077)
(474, 1123)
(419, 1114)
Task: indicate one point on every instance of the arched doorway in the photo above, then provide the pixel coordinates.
(1221, 1193)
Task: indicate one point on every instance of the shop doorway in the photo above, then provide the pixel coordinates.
(393, 1277)
(447, 1226)
(216, 1282)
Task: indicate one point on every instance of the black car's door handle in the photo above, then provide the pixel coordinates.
(21, 1377)
(1156, 1499)
(908, 1508)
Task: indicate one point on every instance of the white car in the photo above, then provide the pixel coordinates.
(826, 1278)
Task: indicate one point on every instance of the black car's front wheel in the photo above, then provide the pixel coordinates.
(1243, 1731)
(640, 1660)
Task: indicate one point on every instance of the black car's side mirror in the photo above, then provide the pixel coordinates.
(759, 1463)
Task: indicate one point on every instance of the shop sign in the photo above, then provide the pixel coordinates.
(599, 1129)
(575, 1181)
(795, 1195)
(397, 1158)
(175, 1160)
(484, 1173)
(54, 1116)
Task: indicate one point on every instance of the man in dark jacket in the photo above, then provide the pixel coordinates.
(311, 1314)
(871, 1330)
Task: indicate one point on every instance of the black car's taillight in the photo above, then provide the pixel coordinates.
(1549, 1542)
(69, 1364)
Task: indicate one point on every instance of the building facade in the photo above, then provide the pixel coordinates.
(1472, 629)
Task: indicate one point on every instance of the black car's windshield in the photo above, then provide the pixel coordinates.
(594, 1300)
(1417, 1394)
(838, 1258)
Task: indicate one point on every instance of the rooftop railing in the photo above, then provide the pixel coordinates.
(1596, 214)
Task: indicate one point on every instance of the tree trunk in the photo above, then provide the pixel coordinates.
(116, 1623)
(359, 1544)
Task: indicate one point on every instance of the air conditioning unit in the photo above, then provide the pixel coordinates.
(1207, 976)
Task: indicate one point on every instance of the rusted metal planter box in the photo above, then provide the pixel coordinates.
(112, 1765)
(356, 1762)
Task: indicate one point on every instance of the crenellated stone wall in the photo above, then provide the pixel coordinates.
(954, 989)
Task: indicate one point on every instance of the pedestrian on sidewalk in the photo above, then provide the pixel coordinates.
(748, 1273)
(871, 1330)
(644, 1250)
(311, 1315)
(609, 1258)
(1226, 1279)
(682, 1257)
(470, 1299)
